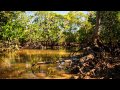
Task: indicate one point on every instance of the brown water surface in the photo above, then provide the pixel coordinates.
(18, 64)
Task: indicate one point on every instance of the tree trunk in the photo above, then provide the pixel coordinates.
(95, 33)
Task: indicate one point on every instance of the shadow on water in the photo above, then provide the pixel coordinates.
(18, 64)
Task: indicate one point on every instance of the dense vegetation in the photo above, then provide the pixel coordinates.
(100, 30)
(43, 28)
(50, 29)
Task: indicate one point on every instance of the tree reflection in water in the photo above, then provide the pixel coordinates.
(18, 64)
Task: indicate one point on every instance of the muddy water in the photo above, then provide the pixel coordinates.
(22, 64)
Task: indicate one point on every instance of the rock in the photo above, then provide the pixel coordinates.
(68, 63)
(82, 60)
(90, 56)
(109, 65)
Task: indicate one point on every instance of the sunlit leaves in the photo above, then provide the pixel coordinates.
(48, 26)
(15, 26)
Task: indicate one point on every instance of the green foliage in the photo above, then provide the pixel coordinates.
(13, 29)
(77, 27)
(17, 27)
(110, 26)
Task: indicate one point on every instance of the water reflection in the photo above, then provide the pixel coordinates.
(18, 64)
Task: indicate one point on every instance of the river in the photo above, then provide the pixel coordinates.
(22, 64)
